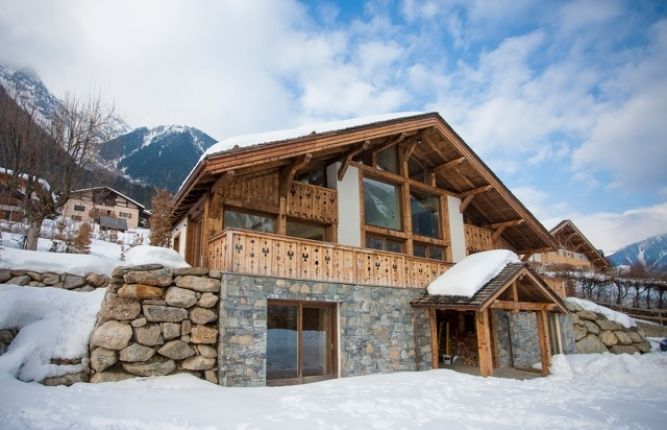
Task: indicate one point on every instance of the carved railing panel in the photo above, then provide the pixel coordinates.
(312, 202)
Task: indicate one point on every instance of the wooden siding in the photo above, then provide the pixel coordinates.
(481, 239)
(313, 203)
(263, 254)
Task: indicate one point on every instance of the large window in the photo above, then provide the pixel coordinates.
(425, 218)
(381, 204)
(383, 243)
(387, 160)
(300, 344)
(249, 221)
(306, 230)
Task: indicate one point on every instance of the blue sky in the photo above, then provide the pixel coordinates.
(566, 101)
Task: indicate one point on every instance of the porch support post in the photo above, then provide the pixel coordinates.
(543, 335)
(482, 327)
(435, 361)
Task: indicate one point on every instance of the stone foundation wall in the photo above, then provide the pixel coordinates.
(157, 321)
(67, 281)
(375, 326)
(594, 333)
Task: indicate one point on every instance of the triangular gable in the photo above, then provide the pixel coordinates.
(458, 169)
(568, 235)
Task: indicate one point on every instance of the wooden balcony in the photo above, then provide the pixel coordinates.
(262, 254)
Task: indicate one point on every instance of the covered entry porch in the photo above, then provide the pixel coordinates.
(473, 329)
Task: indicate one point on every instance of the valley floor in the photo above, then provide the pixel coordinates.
(585, 391)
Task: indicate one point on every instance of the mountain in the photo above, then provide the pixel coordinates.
(161, 156)
(29, 91)
(650, 253)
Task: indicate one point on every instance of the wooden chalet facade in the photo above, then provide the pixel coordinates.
(106, 206)
(381, 206)
(574, 251)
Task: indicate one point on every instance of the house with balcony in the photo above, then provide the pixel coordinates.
(574, 252)
(109, 208)
(327, 236)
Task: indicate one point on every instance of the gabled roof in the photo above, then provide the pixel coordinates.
(459, 170)
(566, 233)
(493, 290)
(112, 190)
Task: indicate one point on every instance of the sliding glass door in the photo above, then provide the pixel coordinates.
(301, 342)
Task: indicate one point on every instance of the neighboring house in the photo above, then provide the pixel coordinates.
(325, 235)
(10, 206)
(91, 204)
(574, 251)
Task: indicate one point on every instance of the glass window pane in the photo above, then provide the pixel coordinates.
(382, 207)
(316, 338)
(436, 253)
(306, 230)
(374, 242)
(313, 177)
(393, 245)
(282, 342)
(246, 221)
(384, 244)
(387, 160)
(416, 171)
(419, 250)
(425, 219)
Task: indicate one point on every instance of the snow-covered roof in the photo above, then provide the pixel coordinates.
(469, 275)
(111, 189)
(304, 130)
(24, 176)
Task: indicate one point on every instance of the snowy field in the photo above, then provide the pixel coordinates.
(585, 392)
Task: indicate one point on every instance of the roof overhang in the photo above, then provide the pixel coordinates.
(567, 228)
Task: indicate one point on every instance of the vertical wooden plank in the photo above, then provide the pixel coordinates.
(435, 347)
(281, 228)
(407, 216)
(484, 342)
(543, 336)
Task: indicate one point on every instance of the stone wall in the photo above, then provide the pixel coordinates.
(594, 333)
(376, 330)
(157, 321)
(67, 281)
(517, 340)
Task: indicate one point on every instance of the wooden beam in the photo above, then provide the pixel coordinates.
(497, 232)
(466, 201)
(217, 190)
(511, 305)
(526, 256)
(504, 223)
(398, 139)
(350, 155)
(543, 336)
(515, 297)
(410, 149)
(448, 164)
(288, 173)
(477, 190)
(435, 359)
(482, 328)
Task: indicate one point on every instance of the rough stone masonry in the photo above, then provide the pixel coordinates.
(156, 321)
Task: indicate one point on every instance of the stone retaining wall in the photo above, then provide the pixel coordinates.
(67, 281)
(157, 321)
(594, 333)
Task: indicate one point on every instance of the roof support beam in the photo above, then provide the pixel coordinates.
(410, 149)
(288, 173)
(470, 194)
(512, 305)
(350, 155)
(455, 162)
(398, 139)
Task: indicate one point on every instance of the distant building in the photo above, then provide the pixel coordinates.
(10, 206)
(103, 203)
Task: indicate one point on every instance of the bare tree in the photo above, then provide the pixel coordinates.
(161, 206)
(43, 163)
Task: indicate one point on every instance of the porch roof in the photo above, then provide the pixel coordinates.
(489, 293)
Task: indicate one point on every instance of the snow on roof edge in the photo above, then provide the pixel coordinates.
(247, 140)
(115, 191)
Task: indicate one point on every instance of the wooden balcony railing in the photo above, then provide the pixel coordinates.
(262, 254)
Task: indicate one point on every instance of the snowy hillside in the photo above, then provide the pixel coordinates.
(26, 87)
(160, 156)
(650, 253)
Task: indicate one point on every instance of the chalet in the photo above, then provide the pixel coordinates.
(10, 206)
(327, 236)
(106, 206)
(574, 251)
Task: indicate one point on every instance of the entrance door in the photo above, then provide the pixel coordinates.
(301, 342)
(193, 241)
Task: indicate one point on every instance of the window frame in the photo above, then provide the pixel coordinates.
(244, 211)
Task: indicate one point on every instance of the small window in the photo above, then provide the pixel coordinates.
(383, 243)
(248, 221)
(76, 217)
(79, 208)
(124, 214)
(425, 214)
(382, 207)
(387, 160)
(425, 250)
(313, 177)
(306, 230)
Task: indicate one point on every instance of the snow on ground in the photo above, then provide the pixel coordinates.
(154, 255)
(40, 261)
(585, 392)
(611, 315)
(53, 323)
(467, 276)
